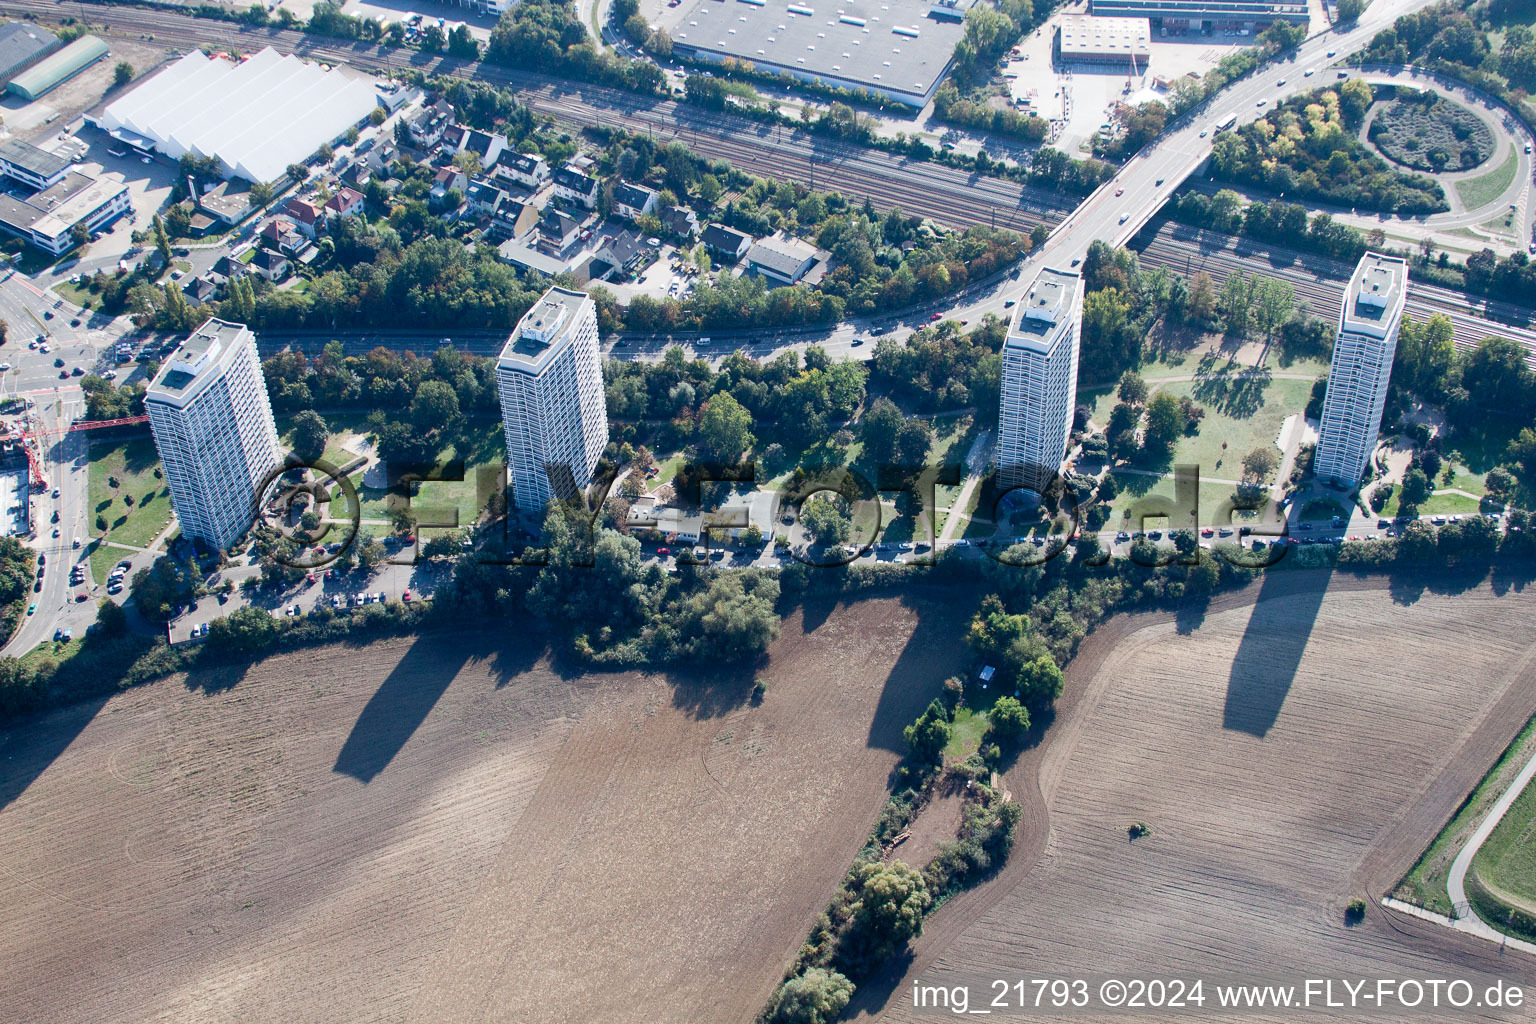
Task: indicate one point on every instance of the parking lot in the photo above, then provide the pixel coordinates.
(1082, 98)
(329, 588)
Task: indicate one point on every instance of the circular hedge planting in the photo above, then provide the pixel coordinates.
(1427, 132)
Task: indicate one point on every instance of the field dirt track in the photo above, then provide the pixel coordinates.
(441, 831)
(1290, 755)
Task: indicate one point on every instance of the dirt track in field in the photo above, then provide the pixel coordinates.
(1289, 756)
(439, 831)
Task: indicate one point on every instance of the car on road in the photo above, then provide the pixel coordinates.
(63, 375)
(934, 316)
(75, 371)
(55, 531)
(406, 597)
(1332, 52)
(1279, 83)
(47, 314)
(1261, 103)
(82, 596)
(58, 363)
(1124, 217)
(857, 342)
(1309, 72)
(31, 608)
(55, 492)
(1203, 133)
(1343, 74)
(4, 367)
(1009, 304)
(1119, 191)
(664, 552)
(75, 322)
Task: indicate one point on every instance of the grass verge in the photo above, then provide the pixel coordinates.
(1425, 883)
(1482, 190)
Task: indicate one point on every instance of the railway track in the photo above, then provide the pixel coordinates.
(1320, 282)
(948, 195)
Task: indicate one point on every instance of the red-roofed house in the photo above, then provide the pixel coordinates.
(306, 216)
(347, 202)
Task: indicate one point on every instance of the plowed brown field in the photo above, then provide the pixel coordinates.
(437, 831)
(1289, 756)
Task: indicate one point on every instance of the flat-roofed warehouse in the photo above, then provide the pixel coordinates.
(899, 49)
(1203, 14)
(1119, 43)
(255, 116)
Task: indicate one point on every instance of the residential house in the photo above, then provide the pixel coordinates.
(229, 268)
(427, 126)
(203, 288)
(680, 221)
(558, 232)
(575, 187)
(632, 201)
(281, 235)
(347, 202)
(782, 260)
(269, 264)
(619, 256)
(487, 146)
(306, 215)
(726, 243)
(448, 179)
(526, 169)
(380, 160)
(514, 218)
(483, 197)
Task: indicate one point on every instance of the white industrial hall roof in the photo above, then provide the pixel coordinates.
(256, 116)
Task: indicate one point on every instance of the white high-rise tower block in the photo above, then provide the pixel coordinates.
(550, 379)
(1039, 388)
(213, 427)
(1362, 364)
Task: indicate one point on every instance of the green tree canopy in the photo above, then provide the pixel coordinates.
(816, 997)
(725, 428)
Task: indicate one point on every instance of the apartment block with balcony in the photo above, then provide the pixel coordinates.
(1372, 312)
(214, 431)
(1039, 388)
(550, 381)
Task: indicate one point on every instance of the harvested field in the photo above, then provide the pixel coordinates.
(1289, 756)
(440, 830)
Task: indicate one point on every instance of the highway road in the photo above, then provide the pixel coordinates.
(65, 459)
(949, 195)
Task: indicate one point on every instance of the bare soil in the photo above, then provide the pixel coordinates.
(1289, 756)
(938, 822)
(447, 830)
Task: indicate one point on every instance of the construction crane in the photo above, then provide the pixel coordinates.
(31, 440)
